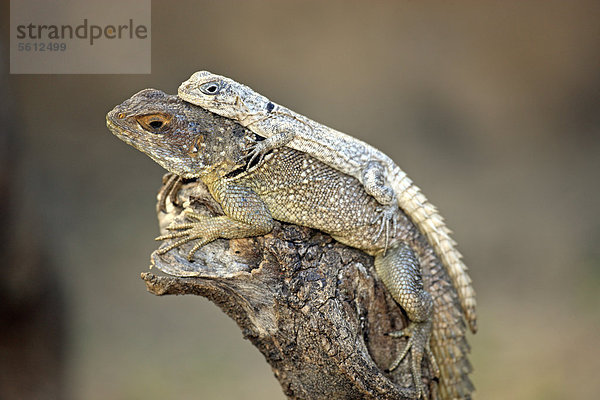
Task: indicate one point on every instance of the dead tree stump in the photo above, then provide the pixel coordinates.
(313, 307)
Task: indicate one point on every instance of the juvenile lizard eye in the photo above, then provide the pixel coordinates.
(155, 123)
(211, 88)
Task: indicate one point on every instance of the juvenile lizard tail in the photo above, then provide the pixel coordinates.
(427, 219)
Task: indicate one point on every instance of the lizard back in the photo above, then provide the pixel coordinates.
(340, 151)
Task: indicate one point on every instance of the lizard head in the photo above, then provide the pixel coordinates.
(222, 95)
(182, 138)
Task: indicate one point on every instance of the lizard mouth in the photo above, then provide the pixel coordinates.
(118, 129)
(111, 125)
(185, 92)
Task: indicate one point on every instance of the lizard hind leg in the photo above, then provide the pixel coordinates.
(373, 179)
(400, 271)
(387, 218)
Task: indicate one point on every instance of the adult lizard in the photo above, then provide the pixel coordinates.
(381, 177)
(292, 186)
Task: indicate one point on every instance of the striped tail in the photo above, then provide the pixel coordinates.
(427, 219)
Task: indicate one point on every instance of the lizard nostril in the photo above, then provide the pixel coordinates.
(120, 115)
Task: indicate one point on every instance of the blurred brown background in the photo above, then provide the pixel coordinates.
(491, 107)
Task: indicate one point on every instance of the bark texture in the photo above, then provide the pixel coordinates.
(313, 307)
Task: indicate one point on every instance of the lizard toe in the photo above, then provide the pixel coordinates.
(417, 345)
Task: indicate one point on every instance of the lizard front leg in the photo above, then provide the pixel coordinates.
(400, 271)
(246, 215)
(171, 185)
(279, 137)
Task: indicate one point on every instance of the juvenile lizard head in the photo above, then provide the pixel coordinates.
(181, 137)
(223, 96)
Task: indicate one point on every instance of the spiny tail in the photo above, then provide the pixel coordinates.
(448, 342)
(427, 219)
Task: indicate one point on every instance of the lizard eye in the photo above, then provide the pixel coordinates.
(154, 123)
(211, 88)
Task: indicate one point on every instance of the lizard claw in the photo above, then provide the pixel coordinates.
(259, 150)
(418, 344)
(388, 220)
(186, 233)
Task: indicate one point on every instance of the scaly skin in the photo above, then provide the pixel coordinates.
(294, 187)
(381, 177)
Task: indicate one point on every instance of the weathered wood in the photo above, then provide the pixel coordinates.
(313, 307)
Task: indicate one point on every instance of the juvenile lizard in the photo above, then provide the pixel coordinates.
(291, 186)
(381, 177)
